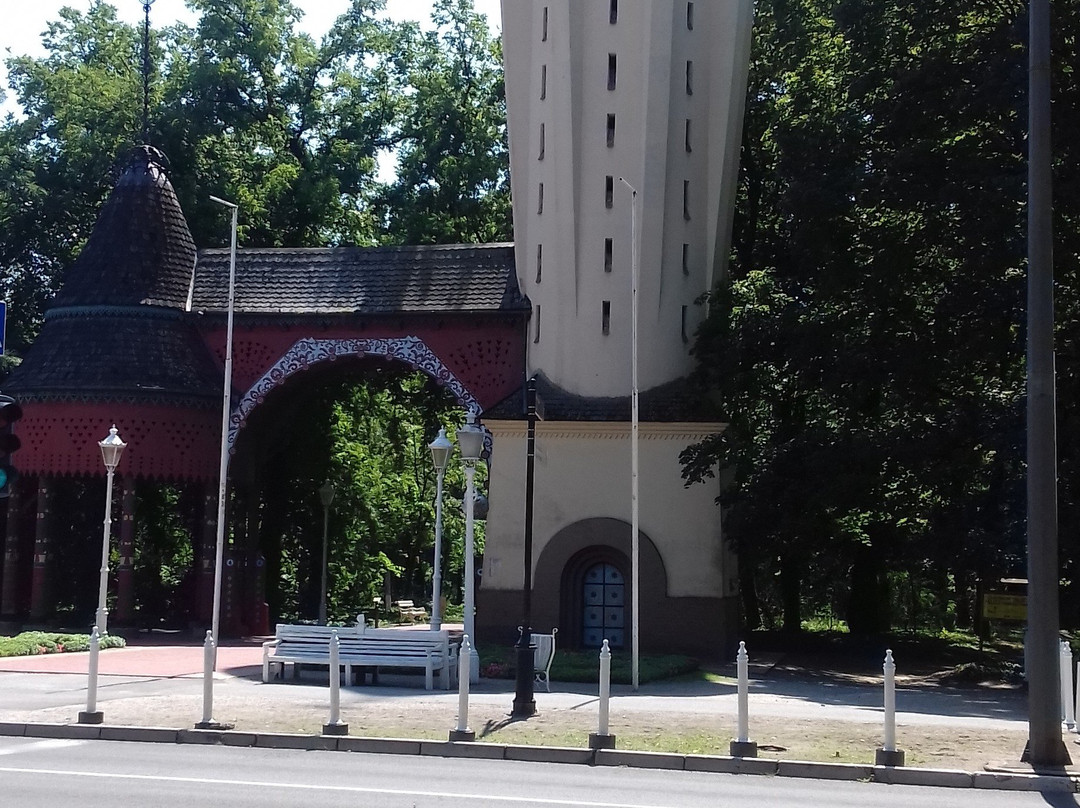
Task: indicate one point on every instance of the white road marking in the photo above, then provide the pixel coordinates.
(305, 787)
(38, 746)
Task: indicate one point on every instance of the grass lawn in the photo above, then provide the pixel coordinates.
(584, 666)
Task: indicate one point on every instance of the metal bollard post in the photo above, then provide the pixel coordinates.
(742, 746)
(209, 663)
(462, 731)
(1068, 707)
(888, 754)
(602, 739)
(335, 726)
(92, 715)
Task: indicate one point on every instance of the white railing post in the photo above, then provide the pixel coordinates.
(92, 715)
(462, 731)
(602, 738)
(335, 726)
(742, 746)
(888, 754)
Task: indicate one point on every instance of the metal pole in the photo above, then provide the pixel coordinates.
(889, 669)
(322, 590)
(223, 465)
(436, 574)
(603, 739)
(470, 576)
(1045, 747)
(335, 726)
(101, 619)
(462, 732)
(92, 714)
(524, 695)
(742, 746)
(635, 555)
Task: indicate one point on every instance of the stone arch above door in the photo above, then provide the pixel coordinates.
(565, 559)
(306, 353)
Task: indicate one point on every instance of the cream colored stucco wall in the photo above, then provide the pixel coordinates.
(558, 140)
(582, 471)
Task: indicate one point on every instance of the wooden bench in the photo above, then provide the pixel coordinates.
(402, 648)
(360, 647)
(303, 645)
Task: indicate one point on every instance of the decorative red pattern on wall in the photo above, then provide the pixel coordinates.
(487, 356)
(164, 443)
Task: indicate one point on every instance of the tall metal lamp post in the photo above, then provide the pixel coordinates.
(440, 448)
(471, 443)
(524, 696)
(326, 494)
(223, 460)
(111, 450)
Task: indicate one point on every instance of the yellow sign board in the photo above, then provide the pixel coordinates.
(997, 606)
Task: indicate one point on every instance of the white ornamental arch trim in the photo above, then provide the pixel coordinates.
(308, 352)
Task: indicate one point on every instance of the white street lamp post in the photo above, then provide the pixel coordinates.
(440, 448)
(326, 494)
(635, 552)
(111, 450)
(471, 443)
(223, 465)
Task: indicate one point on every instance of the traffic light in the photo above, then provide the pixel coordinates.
(10, 412)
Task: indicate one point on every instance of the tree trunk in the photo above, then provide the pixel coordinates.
(868, 606)
(790, 593)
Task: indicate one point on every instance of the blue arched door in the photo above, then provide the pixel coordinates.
(604, 599)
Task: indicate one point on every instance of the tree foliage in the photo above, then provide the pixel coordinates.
(868, 350)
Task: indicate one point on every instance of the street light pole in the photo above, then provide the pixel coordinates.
(1045, 747)
(326, 494)
(223, 464)
(635, 551)
(471, 443)
(111, 450)
(440, 456)
(524, 695)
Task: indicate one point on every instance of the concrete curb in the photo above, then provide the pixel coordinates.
(941, 778)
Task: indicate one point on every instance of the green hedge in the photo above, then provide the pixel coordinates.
(31, 643)
(584, 666)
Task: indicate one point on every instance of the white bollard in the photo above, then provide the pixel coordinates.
(335, 726)
(92, 715)
(1068, 706)
(888, 754)
(208, 680)
(602, 739)
(742, 746)
(462, 731)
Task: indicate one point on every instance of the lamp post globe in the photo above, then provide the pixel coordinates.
(326, 495)
(440, 449)
(470, 439)
(112, 448)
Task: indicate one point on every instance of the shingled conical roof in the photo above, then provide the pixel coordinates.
(141, 250)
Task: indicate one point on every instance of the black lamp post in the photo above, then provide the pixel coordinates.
(524, 701)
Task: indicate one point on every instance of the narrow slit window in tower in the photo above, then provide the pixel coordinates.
(609, 191)
(536, 328)
(605, 317)
(690, 16)
(609, 253)
(685, 199)
(543, 140)
(544, 25)
(539, 262)
(685, 336)
(689, 146)
(613, 12)
(611, 130)
(543, 82)
(612, 71)
(689, 77)
(685, 259)
(540, 201)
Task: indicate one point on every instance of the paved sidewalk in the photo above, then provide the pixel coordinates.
(162, 686)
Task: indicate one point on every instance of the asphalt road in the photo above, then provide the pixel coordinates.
(95, 774)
